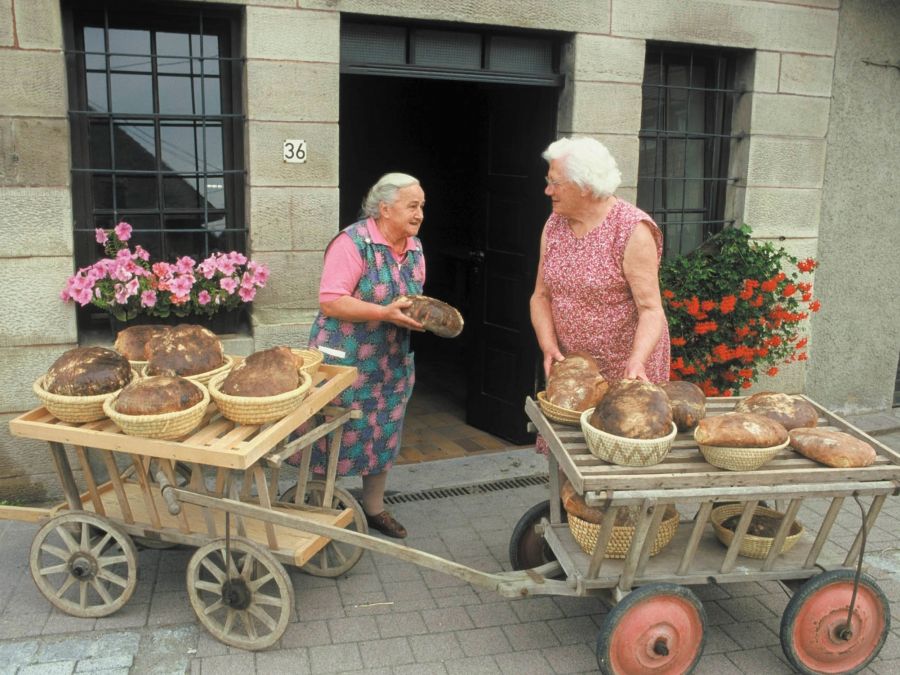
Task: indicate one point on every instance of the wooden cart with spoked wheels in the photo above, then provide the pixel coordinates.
(836, 622)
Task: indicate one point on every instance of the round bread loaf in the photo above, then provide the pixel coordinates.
(574, 503)
(575, 383)
(87, 371)
(435, 316)
(740, 430)
(264, 373)
(688, 403)
(132, 341)
(791, 412)
(832, 448)
(186, 349)
(634, 409)
(157, 395)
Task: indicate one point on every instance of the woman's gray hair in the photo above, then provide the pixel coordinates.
(385, 190)
(587, 163)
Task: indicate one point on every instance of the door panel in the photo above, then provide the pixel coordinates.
(503, 359)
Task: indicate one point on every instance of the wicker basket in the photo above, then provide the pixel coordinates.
(167, 426)
(557, 414)
(311, 360)
(586, 534)
(752, 546)
(74, 409)
(739, 459)
(203, 378)
(258, 409)
(625, 451)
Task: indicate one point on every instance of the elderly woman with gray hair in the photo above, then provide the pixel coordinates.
(360, 323)
(597, 287)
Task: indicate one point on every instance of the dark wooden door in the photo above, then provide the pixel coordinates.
(518, 123)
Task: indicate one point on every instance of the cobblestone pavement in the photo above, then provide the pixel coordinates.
(389, 616)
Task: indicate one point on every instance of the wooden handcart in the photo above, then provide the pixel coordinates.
(657, 624)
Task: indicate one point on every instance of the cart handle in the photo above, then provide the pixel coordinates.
(168, 492)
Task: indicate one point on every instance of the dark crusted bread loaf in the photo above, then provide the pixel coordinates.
(87, 371)
(833, 448)
(688, 403)
(157, 395)
(132, 341)
(634, 409)
(574, 504)
(184, 350)
(265, 373)
(437, 317)
(575, 383)
(791, 412)
(740, 430)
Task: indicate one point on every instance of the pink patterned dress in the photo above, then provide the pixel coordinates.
(593, 309)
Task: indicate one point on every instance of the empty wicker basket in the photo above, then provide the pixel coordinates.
(167, 426)
(258, 409)
(311, 360)
(752, 546)
(625, 451)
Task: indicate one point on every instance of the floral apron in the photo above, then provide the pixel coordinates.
(380, 352)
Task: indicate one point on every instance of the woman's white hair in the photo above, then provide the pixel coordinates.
(587, 163)
(385, 190)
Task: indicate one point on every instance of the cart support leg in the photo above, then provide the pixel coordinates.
(66, 479)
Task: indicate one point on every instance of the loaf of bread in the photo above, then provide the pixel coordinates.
(157, 395)
(688, 403)
(435, 316)
(575, 382)
(832, 448)
(574, 504)
(87, 371)
(791, 412)
(184, 350)
(132, 341)
(265, 373)
(740, 430)
(634, 409)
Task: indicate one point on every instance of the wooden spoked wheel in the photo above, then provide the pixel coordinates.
(659, 628)
(815, 635)
(336, 558)
(83, 564)
(242, 596)
(527, 548)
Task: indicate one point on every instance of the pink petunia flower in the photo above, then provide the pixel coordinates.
(228, 285)
(148, 298)
(203, 297)
(123, 231)
(101, 236)
(247, 294)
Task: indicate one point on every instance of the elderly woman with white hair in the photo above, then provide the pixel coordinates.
(597, 287)
(360, 323)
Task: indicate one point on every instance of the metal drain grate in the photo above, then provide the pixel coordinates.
(476, 489)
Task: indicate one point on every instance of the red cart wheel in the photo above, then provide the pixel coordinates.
(659, 629)
(527, 548)
(814, 633)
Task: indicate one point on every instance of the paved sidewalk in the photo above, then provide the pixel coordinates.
(388, 616)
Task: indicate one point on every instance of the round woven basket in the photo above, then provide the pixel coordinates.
(74, 409)
(311, 360)
(258, 409)
(203, 378)
(752, 546)
(625, 451)
(166, 426)
(586, 534)
(739, 459)
(557, 414)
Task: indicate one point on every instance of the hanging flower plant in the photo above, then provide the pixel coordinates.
(126, 284)
(736, 308)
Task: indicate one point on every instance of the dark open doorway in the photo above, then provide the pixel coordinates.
(475, 148)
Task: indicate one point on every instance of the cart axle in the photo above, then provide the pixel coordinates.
(235, 594)
(661, 648)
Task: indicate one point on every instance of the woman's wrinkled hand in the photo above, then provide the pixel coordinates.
(634, 370)
(550, 357)
(393, 313)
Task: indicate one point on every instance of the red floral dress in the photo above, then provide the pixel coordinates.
(593, 309)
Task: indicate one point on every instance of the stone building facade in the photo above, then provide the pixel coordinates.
(817, 160)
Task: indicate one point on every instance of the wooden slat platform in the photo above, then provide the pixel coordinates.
(685, 467)
(216, 442)
(295, 547)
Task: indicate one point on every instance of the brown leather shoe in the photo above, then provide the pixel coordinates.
(384, 522)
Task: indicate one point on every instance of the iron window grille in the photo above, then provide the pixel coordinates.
(157, 129)
(685, 142)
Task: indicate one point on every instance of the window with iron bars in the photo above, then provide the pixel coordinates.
(157, 129)
(685, 139)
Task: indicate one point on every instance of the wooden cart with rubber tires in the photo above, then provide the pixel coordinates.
(837, 619)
